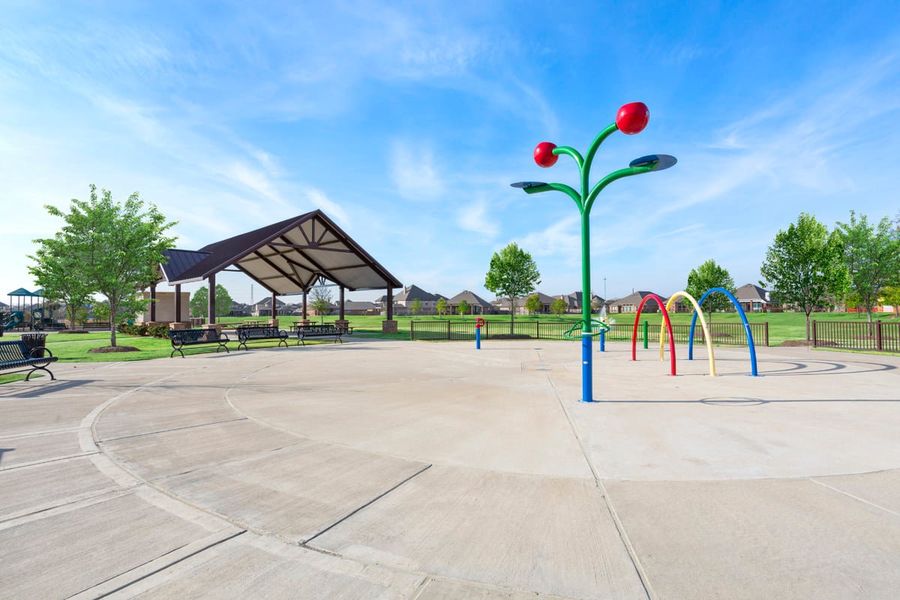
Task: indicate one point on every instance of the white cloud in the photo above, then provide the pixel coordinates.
(475, 218)
(318, 199)
(414, 173)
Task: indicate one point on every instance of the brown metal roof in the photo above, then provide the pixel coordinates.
(286, 257)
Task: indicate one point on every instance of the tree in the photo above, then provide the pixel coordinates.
(56, 269)
(707, 276)
(533, 304)
(441, 306)
(200, 301)
(321, 301)
(871, 255)
(512, 273)
(559, 306)
(119, 247)
(462, 308)
(891, 295)
(415, 306)
(803, 265)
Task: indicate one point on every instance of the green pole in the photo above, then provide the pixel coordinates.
(646, 331)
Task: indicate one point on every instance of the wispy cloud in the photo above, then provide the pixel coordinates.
(414, 173)
(475, 217)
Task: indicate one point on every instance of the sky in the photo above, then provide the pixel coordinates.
(406, 122)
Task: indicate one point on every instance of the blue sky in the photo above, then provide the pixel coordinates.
(407, 121)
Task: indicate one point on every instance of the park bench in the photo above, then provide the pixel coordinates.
(247, 333)
(318, 331)
(193, 337)
(14, 354)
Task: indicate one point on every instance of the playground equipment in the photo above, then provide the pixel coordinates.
(666, 322)
(706, 336)
(737, 305)
(37, 320)
(13, 320)
(632, 118)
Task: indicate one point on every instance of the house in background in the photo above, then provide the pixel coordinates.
(239, 309)
(477, 304)
(354, 307)
(630, 303)
(753, 298)
(501, 305)
(263, 308)
(411, 293)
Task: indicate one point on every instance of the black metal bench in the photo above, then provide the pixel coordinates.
(15, 355)
(193, 337)
(247, 333)
(318, 331)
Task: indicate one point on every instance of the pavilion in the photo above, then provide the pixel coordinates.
(285, 258)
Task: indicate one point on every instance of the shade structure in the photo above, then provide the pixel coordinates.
(286, 258)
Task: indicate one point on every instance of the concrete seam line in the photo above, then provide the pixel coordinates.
(87, 435)
(643, 577)
(366, 505)
(191, 554)
(134, 435)
(36, 463)
(857, 498)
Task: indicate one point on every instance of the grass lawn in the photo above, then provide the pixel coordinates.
(782, 326)
(74, 347)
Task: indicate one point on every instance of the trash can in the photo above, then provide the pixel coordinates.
(34, 340)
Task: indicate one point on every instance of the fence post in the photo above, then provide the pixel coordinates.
(537, 329)
(766, 332)
(412, 329)
(646, 329)
(448, 329)
(814, 333)
(879, 343)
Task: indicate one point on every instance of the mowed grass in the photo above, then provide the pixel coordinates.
(75, 347)
(782, 326)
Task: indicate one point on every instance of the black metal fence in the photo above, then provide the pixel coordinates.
(444, 329)
(877, 336)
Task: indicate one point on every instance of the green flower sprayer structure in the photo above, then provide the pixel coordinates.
(632, 118)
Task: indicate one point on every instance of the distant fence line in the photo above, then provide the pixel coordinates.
(732, 334)
(849, 335)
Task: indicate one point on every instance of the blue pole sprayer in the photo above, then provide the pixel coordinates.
(479, 323)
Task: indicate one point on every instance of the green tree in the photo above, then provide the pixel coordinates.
(709, 275)
(441, 306)
(200, 301)
(559, 306)
(462, 308)
(872, 257)
(119, 247)
(321, 301)
(803, 265)
(415, 307)
(57, 269)
(533, 304)
(512, 273)
(891, 295)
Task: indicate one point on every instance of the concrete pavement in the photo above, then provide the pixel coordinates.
(426, 470)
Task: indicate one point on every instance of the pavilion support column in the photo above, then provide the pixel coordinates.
(152, 302)
(211, 300)
(274, 310)
(389, 325)
(178, 303)
(305, 311)
(342, 322)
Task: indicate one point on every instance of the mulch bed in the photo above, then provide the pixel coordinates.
(108, 349)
